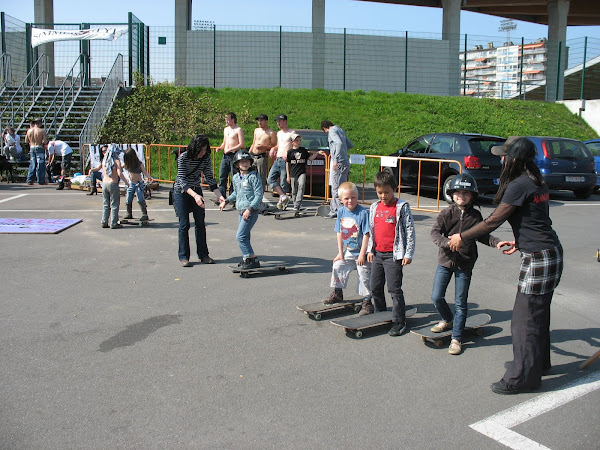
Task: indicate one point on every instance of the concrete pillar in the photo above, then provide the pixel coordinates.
(43, 12)
(183, 23)
(558, 11)
(318, 44)
(451, 33)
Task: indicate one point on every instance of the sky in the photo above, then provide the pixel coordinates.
(339, 14)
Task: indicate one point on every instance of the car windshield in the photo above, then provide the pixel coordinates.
(484, 146)
(563, 149)
(314, 140)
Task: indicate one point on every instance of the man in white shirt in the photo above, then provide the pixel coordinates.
(56, 148)
(279, 154)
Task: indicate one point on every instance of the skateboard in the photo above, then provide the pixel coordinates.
(473, 325)
(356, 324)
(316, 310)
(279, 213)
(323, 211)
(134, 221)
(264, 268)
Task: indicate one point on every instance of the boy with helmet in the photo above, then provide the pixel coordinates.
(458, 217)
(247, 196)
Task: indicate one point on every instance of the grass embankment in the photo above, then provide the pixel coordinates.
(378, 123)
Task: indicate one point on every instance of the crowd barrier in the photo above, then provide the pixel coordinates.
(161, 162)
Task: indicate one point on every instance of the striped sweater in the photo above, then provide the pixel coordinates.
(189, 173)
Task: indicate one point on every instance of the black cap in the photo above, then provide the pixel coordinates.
(281, 117)
(261, 117)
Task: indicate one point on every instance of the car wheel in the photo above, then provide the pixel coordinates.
(445, 187)
(583, 193)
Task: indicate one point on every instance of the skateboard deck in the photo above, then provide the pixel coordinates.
(473, 325)
(356, 324)
(134, 221)
(264, 268)
(323, 211)
(279, 214)
(317, 309)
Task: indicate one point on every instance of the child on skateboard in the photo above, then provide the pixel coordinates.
(135, 168)
(247, 195)
(352, 229)
(391, 246)
(297, 157)
(457, 218)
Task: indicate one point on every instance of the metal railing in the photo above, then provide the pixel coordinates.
(103, 103)
(5, 72)
(66, 95)
(28, 95)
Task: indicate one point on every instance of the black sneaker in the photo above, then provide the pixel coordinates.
(502, 387)
(397, 329)
(250, 263)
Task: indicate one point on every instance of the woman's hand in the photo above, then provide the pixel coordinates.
(455, 242)
(199, 201)
(511, 247)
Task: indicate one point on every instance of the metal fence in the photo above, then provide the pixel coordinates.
(335, 59)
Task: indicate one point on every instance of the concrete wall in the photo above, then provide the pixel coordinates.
(591, 114)
(262, 59)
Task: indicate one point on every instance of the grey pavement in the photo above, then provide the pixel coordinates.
(106, 342)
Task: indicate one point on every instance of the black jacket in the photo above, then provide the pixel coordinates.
(452, 221)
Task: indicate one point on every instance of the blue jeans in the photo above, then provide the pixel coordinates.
(184, 205)
(137, 189)
(462, 281)
(336, 178)
(225, 169)
(37, 165)
(243, 234)
(278, 170)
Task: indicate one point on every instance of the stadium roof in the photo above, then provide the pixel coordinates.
(581, 12)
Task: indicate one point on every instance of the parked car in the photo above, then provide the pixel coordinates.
(315, 140)
(473, 151)
(594, 147)
(566, 164)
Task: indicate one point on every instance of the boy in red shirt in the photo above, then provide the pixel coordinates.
(391, 246)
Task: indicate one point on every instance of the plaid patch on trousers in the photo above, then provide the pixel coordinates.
(541, 271)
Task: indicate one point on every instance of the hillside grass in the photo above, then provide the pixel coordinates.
(377, 123)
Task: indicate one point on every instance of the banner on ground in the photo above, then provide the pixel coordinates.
(43, 36)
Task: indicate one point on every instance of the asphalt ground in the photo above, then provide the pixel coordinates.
(106, 342)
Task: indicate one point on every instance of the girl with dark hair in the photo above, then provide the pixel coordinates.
(523, 200)
(134, 166)
(187, 197)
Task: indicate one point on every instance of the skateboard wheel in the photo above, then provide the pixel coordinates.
(244, 274)
(478, 331)
(423, 339)
(358, 334)
(357, 308)
(438, 343)
(317, 316)
(598, 255)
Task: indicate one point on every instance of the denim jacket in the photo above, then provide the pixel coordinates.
(248, 191)
(404, 241)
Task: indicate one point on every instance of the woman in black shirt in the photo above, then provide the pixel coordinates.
(523, 199)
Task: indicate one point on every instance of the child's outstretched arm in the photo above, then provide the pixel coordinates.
(145, 172)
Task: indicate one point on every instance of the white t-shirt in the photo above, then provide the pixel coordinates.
(59, 148)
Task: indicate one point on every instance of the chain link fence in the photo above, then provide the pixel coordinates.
(333, 59)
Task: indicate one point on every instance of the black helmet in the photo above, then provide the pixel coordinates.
(242, 154)
(463, 182)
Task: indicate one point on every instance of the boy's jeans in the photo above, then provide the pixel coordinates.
(341, 272)
(298, 184)
(278, 169)
(243, 234)
(386, 270)
(110, 203)
(462, 281)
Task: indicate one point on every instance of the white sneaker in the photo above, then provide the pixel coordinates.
(286, 200)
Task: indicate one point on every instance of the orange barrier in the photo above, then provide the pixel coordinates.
(399, 160)
(163, 166)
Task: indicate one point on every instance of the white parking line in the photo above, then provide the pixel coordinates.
(498, 426)
(13, 198)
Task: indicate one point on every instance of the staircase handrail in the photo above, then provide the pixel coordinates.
(41, 78)
(5, 71)
(63, 95)
(102, 106)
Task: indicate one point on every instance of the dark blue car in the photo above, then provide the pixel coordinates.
(566, 164)
(594, 146)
